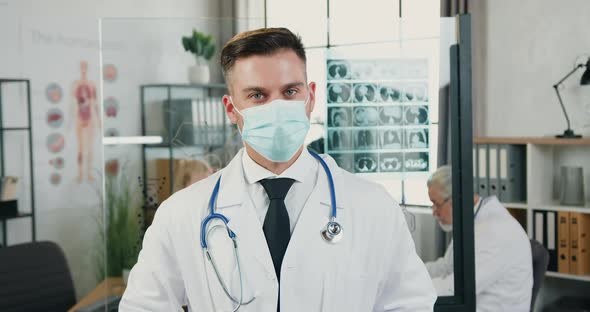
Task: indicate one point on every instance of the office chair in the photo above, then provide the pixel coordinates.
(540, 263)
(35, 277)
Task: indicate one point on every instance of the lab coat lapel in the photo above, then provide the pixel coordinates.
(234, 203)
(308, 256)
(315, 215)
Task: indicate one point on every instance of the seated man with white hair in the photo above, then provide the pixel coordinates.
(503, 260)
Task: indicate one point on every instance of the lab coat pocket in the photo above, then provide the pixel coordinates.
(348, 291)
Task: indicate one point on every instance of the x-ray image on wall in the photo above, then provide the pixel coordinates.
(391, 138)
(416, 138)
(339, 93)
(416, 115)
(339, 117)
(366, 116)
(345, 161)
(391, 162)
(340, 139)
(366, 163)
(378, 114)
(416, 161)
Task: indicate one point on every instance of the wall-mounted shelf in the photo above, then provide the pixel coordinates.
(583, 278)
(516, 205)
(544, 158)
(163, 114)
(531, 140)
(29, 138)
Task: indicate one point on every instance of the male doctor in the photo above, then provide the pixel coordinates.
(503, 260)
(276, 198)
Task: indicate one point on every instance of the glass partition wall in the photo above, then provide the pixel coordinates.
(381, 112)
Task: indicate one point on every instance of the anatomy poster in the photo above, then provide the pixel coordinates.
(85, 113)
(378, 115)
(64, 68)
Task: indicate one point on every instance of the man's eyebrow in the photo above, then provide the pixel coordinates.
(253, 89)
(293, 84)
(261, 89)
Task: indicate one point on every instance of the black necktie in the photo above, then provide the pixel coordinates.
(277, 228)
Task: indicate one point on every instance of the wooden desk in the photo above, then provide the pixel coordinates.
(109, 287)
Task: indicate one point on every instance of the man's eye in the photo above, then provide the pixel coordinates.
(256, 96)
(291, 92)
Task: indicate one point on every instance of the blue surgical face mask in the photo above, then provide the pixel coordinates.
(275, 130)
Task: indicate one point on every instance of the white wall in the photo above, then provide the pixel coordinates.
(521, 50)
(67, 215)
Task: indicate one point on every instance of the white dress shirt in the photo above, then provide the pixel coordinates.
(303, 171)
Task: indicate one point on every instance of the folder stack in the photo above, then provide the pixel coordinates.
(545, 230)
(563, 233)
(574, 243)
(579, 243)
(500, 170)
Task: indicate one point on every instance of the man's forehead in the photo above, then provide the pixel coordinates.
(267, 71)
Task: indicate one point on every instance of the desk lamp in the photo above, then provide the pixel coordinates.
(569, 133)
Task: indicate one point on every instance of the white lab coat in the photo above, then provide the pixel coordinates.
(503, 262)
(373, 268)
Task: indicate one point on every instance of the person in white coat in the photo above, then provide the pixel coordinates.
(503, 259)
(276, 199)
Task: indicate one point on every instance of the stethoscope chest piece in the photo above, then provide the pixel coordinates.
(332, 233)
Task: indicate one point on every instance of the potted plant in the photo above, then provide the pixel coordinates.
(120, 229)
(203, 47)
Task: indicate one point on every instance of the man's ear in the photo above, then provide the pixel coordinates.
(311, 105)
(229, 109)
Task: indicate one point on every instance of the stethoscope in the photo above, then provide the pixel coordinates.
(332, 233)
(481, 199)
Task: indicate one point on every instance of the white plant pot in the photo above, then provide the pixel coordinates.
(199, 74)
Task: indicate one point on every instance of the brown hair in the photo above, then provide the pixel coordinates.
(264, 41)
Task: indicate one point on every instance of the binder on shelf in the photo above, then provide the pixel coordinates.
(584, 240)
(551, 238)
(539, 226)
(579, 243)
(512, 171)
(563, 248)
(574, 217)
(482, 156)
(475, 167)
(493, 183)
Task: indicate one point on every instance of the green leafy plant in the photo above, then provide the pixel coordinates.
(120, 228)
(199, 44)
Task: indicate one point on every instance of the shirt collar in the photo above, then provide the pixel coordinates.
(297, 171)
